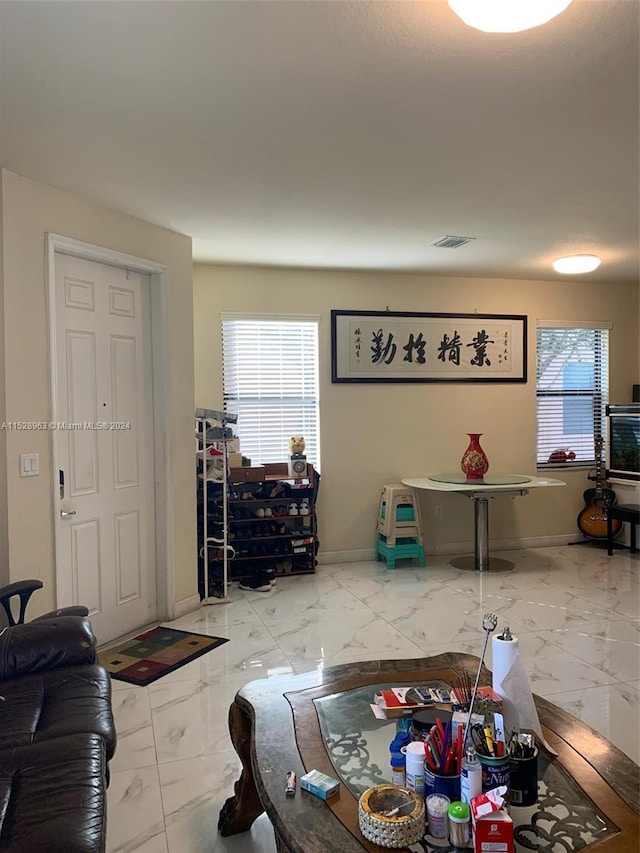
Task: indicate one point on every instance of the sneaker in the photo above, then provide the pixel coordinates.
(304, 507)
(268, 512)
(293, 508)
(258, 583)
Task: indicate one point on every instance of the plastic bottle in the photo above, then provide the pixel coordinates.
(397, 743)
(460, 825)
(470, 776)
(415, 766)
(437, 812)
(398, 766)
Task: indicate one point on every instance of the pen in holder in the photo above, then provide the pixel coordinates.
(489, 623)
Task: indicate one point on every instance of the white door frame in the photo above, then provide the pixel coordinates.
(163, 479)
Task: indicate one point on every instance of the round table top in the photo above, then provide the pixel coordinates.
(456, 482)
(487, 480)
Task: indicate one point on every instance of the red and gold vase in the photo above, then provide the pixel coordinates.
(474, 461)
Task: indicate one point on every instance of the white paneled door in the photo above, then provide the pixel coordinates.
(105, 555)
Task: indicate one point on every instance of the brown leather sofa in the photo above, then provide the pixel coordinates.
(57, 736)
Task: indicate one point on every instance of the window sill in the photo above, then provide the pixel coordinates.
(569, 466)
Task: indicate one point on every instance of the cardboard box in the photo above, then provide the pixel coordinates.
(319, 784)
(494, 833)
(491, 824)
(235, 460)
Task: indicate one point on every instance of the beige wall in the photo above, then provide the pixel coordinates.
(30, 210)
(376, 434)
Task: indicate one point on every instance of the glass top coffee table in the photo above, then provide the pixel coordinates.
(589, 796)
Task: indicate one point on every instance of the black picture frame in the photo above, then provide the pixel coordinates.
(417, 346)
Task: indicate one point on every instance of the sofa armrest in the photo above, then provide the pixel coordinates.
(51, 643)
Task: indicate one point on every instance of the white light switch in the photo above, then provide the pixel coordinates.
(29, 464)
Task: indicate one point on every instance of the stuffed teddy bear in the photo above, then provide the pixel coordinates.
(296, 445)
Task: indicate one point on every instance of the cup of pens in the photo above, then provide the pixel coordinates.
(523, 767)
(443, 760)
(493, 756)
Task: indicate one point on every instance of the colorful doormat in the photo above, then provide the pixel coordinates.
(147, 657)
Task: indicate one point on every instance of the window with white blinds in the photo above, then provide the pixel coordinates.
(270, 380)
(572, 383)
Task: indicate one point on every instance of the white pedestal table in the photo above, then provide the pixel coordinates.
(479, 491)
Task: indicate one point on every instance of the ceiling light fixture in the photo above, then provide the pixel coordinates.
(507, 16)
(575, 264)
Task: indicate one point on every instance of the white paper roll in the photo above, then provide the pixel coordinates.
(505, 653)
(511, 682)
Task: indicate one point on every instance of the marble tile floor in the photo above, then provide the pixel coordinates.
(575, 610)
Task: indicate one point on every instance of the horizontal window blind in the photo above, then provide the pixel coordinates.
(572, 384)
(271, 381)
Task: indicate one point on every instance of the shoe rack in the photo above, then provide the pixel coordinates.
(213, 434)
(272, 522)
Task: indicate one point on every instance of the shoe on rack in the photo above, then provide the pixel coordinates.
(260, 512)
(292, 508)
(278, 489)
(304, 507)
(268, 512)
(259, 583)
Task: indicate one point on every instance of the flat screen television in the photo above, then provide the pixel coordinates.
(623, 442)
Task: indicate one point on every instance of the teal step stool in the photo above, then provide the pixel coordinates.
(405, 548)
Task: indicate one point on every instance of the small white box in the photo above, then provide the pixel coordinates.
(320, 784)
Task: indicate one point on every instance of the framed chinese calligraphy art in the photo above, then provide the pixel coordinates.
(402, 346)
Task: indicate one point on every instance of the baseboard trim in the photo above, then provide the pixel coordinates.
(186, 605)
(453, 548)
(328, 557)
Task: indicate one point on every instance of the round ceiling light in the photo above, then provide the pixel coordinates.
(507, 16)
(576, 264)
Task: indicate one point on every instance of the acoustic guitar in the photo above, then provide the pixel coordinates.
(592, 520)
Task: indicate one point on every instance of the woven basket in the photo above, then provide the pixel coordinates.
(391, 830)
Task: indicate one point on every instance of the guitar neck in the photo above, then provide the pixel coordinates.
(599, 477)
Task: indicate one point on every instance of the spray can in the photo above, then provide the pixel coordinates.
(470, 776)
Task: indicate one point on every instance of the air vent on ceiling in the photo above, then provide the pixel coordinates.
(449, 241)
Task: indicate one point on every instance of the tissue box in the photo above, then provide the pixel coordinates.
(493, 833)
(492, 826)
(320, 784)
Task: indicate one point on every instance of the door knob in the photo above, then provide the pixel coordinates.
(64, 514)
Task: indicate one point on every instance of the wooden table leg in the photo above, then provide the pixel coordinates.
(239, 812)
